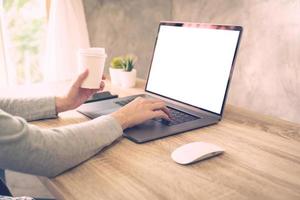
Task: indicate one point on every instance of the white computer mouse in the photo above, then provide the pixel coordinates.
(195, 151)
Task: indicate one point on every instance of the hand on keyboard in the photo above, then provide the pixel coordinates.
(177, 117)
(141, 110)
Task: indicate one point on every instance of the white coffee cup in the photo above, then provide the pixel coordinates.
(94, 60)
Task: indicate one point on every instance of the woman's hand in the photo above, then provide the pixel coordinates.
(76, 95)
(141, 110)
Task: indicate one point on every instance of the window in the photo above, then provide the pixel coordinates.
(22, 43)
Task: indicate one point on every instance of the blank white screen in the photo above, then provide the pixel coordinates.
(192, 65)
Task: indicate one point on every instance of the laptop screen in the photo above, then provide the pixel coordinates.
(192, 63)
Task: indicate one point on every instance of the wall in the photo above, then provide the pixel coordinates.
(124, 27)
(267, 71)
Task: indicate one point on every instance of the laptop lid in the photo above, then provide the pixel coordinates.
(193, 63)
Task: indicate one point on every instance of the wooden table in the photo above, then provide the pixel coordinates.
(262, 161)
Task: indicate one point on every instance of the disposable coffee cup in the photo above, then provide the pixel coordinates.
(92, 59)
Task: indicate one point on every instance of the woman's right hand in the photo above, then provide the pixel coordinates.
(141, 110)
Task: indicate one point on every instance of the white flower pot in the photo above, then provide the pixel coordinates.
(128, 79)
(115, 76)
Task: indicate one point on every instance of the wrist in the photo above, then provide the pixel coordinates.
(61, 104)
(121, 118)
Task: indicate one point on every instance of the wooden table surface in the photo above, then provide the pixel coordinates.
(262, 161)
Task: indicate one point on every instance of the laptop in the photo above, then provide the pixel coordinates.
(191, 69)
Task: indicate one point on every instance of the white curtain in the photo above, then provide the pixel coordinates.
(67, 31)
(3, 69)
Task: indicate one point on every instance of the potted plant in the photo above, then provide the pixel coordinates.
(122, 71)
(114, 70)
(128, 74)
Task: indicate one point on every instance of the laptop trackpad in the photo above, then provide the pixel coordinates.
(149, 124)
(146, 130)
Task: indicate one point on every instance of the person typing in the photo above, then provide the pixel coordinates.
(49, 152)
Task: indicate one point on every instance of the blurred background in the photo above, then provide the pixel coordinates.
(39, 40)
(23, 25)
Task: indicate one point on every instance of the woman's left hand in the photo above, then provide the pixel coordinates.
(76, 95)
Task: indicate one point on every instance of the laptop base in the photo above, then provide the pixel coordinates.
(149, 130)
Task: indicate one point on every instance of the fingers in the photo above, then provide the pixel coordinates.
(81, 78)
(93, 91)
(166, 110)
(160, 114)
(156, 106)
(160, 105)
(101, 87)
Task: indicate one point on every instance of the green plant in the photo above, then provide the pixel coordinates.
(128, 63)
(124, 62)
(117, 63)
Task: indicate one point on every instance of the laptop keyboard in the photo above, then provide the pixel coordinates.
(177, 117)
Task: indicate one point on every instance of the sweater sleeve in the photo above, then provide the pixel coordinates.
(49, 152)
(30, 108)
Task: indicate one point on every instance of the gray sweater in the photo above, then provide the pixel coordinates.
(48, 152)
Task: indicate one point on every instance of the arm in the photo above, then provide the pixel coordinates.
(48, 152)
(48, 107)
(30, 108)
